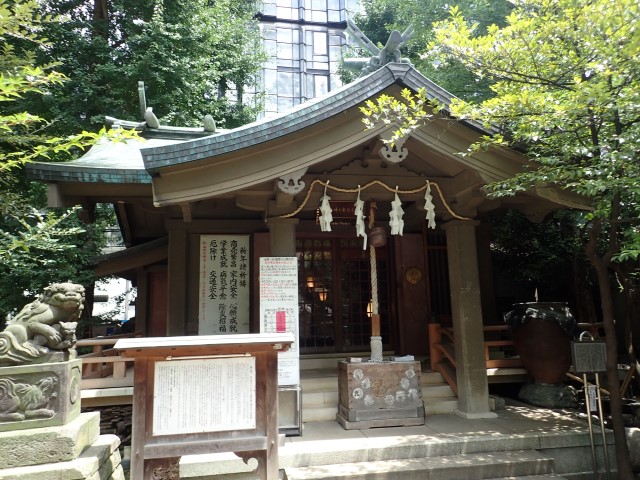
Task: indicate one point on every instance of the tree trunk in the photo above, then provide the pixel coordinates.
(101, 19)
(615, 398)
(583, 293)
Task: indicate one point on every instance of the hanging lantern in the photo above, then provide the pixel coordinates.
(311, 281)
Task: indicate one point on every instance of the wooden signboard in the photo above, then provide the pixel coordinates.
(224, 284)
(205, 394)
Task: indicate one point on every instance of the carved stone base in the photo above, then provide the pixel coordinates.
(75, 451)
(549, 395)
(39, 395)
(100, 461)
(36, 446)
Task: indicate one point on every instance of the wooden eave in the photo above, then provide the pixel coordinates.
(130, 259)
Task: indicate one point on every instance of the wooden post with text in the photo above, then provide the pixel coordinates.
(205, 394)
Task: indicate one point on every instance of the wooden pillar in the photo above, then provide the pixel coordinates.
(466, 312)
(282, 234)
(178, 280)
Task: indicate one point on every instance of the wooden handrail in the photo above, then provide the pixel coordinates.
(110, 340)
(442, 352)
(104, 362)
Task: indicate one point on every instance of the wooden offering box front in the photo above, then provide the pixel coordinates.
(379, 394)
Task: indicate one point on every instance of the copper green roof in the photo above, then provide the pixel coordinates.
(136, 162)
(300, 117)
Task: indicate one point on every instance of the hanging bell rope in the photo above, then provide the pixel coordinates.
(374, 266)
(376, 339)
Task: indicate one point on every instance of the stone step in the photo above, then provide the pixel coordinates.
(319, 398)
(436, 406)
(455, 467)
(428, 377)
(546, 476)
(319, 413)
(436, 390)
(316, 384)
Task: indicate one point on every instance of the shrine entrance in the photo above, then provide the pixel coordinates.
(335, 295)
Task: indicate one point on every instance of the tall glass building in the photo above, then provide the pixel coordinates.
(304, 40)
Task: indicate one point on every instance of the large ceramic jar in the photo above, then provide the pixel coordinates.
(542, 334)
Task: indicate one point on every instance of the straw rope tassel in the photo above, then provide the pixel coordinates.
(370, 184)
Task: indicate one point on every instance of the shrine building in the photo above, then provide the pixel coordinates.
(198, 208)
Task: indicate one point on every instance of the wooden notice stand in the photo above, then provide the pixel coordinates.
(205, 394)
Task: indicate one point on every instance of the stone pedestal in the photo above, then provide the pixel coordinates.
(39, 395)
(379, 394)
(75, 451)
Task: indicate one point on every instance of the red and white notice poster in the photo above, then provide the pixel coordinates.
(279, 310)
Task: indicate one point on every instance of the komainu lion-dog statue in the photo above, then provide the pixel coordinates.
(44, 326)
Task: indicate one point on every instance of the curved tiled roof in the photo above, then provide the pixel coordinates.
(302, 116)
(103, 163)
(136, 161)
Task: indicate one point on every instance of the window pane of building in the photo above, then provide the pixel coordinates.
(319, 43)
(321, 85)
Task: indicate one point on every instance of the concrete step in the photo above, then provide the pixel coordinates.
(546, 476)
(428, 377)
(436, 390)
(487, 465)
(319, 414)
(319, 398)
(319, 383)
(437, 406)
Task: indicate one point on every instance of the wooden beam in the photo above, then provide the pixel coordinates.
(129, 262)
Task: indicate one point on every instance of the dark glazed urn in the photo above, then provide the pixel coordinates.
(542, 333)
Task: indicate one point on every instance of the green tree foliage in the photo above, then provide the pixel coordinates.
(382, 16)
(537, 256)
(189, 53)
(37, 246)
(22, 76)
(565, 78)
(71, 62)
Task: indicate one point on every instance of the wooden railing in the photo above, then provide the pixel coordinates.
(104, 367)
(499, 351)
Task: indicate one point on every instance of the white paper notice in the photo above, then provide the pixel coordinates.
(208, 395)
(279, 310)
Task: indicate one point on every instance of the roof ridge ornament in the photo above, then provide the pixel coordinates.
(209, 124)
(390, 53)
(150, 118)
